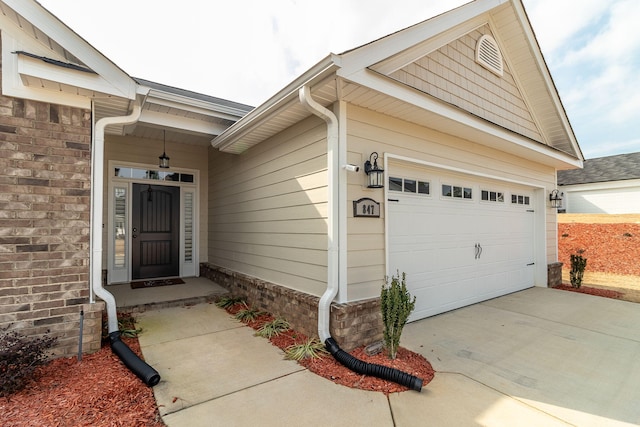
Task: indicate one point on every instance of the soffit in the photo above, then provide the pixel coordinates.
(434, 114)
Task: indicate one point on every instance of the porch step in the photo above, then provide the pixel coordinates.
(141, 308)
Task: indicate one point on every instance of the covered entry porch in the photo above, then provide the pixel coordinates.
(150, 186)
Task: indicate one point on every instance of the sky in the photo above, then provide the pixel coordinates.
(247, 50)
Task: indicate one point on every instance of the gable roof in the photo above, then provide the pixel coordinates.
(364, 76)
(603, 169)
(45, 60)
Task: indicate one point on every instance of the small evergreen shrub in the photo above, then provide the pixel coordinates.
(396, 304)
(578, 265)
(19, 358)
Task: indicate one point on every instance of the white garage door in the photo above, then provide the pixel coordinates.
(459, 239)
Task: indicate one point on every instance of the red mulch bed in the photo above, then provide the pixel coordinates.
(609, 248)
(327, 367)
(97, 391)
(606, 293)
(100, 391)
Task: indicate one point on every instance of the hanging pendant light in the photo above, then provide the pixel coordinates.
(164, 159)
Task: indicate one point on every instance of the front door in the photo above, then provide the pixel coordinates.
(155, 222)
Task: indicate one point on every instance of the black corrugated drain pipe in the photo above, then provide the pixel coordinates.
(372, 369)
(146, 373)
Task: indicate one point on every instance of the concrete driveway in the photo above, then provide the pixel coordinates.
(571, 356)
(539, 357)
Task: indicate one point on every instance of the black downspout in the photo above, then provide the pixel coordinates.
(146, 373)
(372, 369)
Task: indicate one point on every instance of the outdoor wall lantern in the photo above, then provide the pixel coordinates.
(555, 197)
(375, 175)
(164, 159)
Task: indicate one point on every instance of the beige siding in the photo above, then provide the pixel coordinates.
(268, 209)
(369, 131)
(452, 75)
(145, 151)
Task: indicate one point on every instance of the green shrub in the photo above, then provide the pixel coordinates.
(396, 305)
(19, 358)
(273, 328)
(127, 326)
(311, 348)
(226, 302)
(248, 314)
(578, 265)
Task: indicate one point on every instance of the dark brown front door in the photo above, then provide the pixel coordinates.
(155, 231)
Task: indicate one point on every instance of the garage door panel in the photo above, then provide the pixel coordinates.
(435, 239)
(445, 297)
(416, 262)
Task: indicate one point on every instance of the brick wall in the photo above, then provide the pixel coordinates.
(44, 222)
(554, 274)
(351, 325)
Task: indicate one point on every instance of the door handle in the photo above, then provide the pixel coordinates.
(478, 251)
(134, 236)
(480, 254)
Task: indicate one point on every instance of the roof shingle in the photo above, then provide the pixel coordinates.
(603, 169)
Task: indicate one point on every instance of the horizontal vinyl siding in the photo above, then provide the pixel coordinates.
(268, 209)
(620, 197)
(369, 131)
(146, 152)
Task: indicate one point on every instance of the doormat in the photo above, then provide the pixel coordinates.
(156, 282)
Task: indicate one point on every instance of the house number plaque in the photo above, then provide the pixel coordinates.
(366, 207)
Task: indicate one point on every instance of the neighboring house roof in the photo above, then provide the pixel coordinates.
(603, 169)
(370, 76)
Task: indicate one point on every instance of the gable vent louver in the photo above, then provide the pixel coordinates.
(488, 55)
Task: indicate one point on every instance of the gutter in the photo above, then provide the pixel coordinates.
(324, 306)
(145, 372)
(276, 103)
(97, 205)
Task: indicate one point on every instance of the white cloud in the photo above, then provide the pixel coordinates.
(247, 50)
(556, 22)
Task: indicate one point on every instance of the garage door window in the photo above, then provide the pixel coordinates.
(492, 196)
(409, 185)
(519, 199)
(457, 192)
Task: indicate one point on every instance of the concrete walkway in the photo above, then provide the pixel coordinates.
(540, 357)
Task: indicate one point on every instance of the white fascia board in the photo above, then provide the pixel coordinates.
(12, 83)
(41, 18)
(276, 103)
(39, 69)
(391, 45)
(541, 153)
(427, 46)
(184, 123)
(546, 74)
(198, 106)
